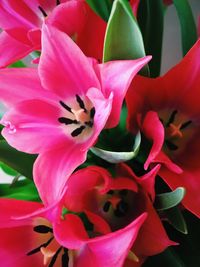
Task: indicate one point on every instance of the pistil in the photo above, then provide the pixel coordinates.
(83, 116)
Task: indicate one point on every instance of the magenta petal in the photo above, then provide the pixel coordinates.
(111, 249)
(15, 243)
(153, 130)
(11, 208)
(17, 80)
(53, 168)
(165, 160)
(147, 181)
(100, 103)
(32, 126)
(68, 17)
(116, 77)
(74, 72)
(11, 50)
(100, 225)
(189, 179)
(152, 238)
(70, 232)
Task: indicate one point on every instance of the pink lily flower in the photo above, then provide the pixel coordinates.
(59, 110)
(167, 111)
(22, 22)
(31, 236)
(119, 201)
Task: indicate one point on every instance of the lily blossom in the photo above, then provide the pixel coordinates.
(65, 104)
(167, 111)
(22, 22)
(39, 228)
(113, 203)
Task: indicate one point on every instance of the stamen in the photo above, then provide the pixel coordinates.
(92, 113)
(106, 206)
(42, 11)
(89, 123)
(53, 260)
(57, 2)
(185, 125)
(67, 121)
(81, 103)
(42, 229)
(172, 118)
(35, 250)
(77, 131)
(65, 258)
(65, 106)
(170, 145)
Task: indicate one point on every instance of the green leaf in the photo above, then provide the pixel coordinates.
(18, 64)
(151, 19)
(101, 7)
(176, 219)
(116, 157)
(7, 169)
(23, 189)
(123, 39)
(20, 162)
(187, 23)
(169, 200)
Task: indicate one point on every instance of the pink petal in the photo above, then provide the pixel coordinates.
(147, 181)
(134, 4)
(53, 168)
(15, 243)
(100, 103)
(100, 225)
(11, 50)
(70, 232)
(116, 77)
(153, 130)
(33, 130)
(165, 160)
(91, 38)
(111, 249)
(83, 186)
(15, 81)
(11, 208)
(74, 73)
(22, 12)
(152, 238)
(123, 183)
(68, 17)
(189, 179)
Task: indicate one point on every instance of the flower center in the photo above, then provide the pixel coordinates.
(78, 117)
(177, 131)
(50, 249)
(117, 208)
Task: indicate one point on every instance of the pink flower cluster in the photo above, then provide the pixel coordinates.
(58, 108)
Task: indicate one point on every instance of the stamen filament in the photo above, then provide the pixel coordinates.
(185, 125)
(42, 11)
(77, 131)
(65, 106)
(172, 118)
(81, 103)
(67, 121)
(35, 250)
(42, 229)
(53, 260)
